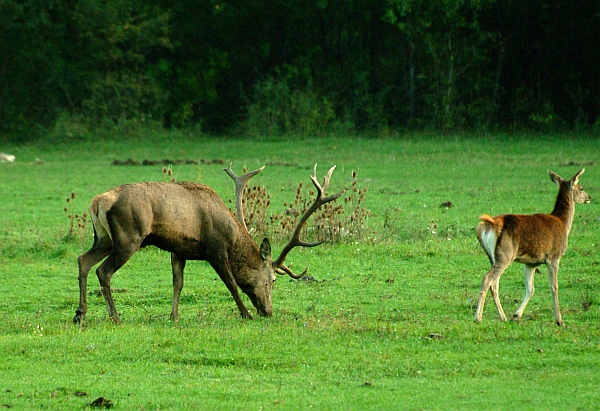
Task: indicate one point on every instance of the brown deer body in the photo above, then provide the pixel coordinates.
(531, 240)
(190, 221)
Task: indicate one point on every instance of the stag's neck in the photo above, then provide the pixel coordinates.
(244, 254)
(564, 207)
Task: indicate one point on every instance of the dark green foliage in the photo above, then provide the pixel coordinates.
(296, 67)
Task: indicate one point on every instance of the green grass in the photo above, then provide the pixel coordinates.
(387, 323)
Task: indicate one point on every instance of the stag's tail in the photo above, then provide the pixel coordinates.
(488, 232)
(98, 209)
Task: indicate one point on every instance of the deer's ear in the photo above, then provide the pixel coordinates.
(576, 176)
(556, 179)
(265, 249)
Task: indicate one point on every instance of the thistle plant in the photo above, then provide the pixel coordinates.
(168, 174)
(77, 222)
(342, 220)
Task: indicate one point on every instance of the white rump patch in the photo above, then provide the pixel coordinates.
(101, 224)
(488, 240)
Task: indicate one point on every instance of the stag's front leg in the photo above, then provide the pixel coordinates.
(86, 262)
(222, 267)
(178, 265)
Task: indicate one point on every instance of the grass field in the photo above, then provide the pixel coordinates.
(386, 323)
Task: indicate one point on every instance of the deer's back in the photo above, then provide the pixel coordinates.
(533, 238)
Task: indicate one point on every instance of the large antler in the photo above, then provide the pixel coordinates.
(295, 240)
(240, 184)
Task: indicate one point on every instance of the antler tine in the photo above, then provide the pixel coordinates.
(323, 189)
(295, 240)
(240, 184)
(286, 270)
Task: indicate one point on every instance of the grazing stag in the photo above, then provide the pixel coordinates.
(531, 240)
(191, 222)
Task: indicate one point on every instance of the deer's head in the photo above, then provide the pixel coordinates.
(573, 186)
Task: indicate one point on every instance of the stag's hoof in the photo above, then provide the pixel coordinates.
(78, 319)
(516, 318)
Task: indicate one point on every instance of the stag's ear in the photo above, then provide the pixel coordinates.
(265, 249)
(556, 179)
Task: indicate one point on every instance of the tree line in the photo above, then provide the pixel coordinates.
(278, 67)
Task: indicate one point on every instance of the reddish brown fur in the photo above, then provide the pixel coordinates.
(531, 240)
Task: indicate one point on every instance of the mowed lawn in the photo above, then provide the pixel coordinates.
(385, 322)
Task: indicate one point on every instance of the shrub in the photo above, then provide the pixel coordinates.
(278, 109)
(344, 219)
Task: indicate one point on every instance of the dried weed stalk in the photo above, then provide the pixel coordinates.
(335, 222)
(77, 222)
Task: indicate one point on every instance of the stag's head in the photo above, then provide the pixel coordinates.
(258, 283)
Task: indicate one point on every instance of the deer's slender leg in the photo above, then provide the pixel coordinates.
(178, 265)
(495, 290)
(529, 272)
(491, 280)
(553, 280)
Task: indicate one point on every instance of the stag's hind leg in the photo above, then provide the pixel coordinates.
(178, 265)
(119, 255)
(100, 249)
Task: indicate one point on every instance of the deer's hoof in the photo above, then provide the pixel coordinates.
(246, 316)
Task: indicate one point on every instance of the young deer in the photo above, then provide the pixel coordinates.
(531, 240)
